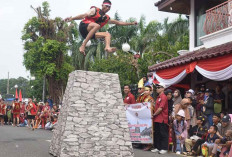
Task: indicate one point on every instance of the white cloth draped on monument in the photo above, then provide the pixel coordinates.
(218, 69)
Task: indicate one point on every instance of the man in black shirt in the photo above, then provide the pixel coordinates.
(195, 133)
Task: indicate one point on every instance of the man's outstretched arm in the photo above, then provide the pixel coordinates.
(91, 12)
(122, 23)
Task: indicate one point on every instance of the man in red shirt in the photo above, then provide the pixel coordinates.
(92, 21)
(160, 119)
(129, 98)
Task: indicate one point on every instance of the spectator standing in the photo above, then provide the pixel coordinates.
(176, 99)
(219, 98)
(50, 101)
(160, 119)
(200, 99)
(208, 107)
(168, 93)
(129, 97)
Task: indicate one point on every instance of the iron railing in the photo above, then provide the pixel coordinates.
(218, 17)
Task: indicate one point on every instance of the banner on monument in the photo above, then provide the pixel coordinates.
(140, 122)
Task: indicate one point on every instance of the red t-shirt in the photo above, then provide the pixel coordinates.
(161, 102)
(129, 99)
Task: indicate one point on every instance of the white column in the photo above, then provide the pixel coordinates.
(191, 26)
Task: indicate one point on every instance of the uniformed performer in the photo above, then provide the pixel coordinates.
(2, 111)
(16, 112)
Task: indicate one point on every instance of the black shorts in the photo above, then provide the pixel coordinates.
(83, 30)
(1, 116)
(30, 116)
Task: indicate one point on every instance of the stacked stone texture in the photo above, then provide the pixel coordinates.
(92, 120)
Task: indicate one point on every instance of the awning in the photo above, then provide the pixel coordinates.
(217, 66)
(174, 6)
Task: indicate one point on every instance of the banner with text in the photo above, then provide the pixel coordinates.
(140, 122)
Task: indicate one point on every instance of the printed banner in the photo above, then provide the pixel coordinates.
(140, 122)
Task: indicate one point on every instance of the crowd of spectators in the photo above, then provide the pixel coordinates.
(31, 114)
(191, 123)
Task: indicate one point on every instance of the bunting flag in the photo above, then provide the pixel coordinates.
(218, 69)
(20, 95)
(16, 94)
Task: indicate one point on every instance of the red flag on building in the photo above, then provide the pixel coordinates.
(20, 95)
(16, 94)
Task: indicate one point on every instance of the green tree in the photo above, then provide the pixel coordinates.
(45, 43)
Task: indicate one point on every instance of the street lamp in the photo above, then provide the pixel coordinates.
(32, 78)
(16, 86)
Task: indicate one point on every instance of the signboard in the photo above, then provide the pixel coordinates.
(140, 122)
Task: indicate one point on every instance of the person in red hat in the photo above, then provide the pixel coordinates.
(2, 111)
(16, 112)
(92, 21)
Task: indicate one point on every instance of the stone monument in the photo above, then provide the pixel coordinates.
(92, 120)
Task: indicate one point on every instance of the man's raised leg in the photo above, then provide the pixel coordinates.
(92, 29)
(107, 37)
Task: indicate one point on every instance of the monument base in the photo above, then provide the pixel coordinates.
(92, 120)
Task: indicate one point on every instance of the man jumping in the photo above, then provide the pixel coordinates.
(92, 21)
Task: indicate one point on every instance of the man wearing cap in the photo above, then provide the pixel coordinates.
(208, 107)
(129, 98)
(225, 125)
(92, 21)
(195, 133)
(160, 119)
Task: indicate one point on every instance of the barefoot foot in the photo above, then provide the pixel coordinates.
(82, 49)
(110, 49)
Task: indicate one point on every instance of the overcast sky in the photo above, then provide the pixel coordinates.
(15, 13)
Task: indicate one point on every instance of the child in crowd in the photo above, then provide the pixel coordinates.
(222, 143)
(50, 125)
(22, 120)
(209, 143)
(217, 119)
(9, 114)
(180, 128)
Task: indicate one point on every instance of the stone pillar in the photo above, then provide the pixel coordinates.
(92, 120)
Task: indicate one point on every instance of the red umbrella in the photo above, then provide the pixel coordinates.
(16, 94)
(20, 95)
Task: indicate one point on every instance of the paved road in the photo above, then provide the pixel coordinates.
(22, 142)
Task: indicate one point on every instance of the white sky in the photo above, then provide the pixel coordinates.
(15, 13)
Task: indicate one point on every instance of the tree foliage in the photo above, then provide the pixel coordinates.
(45, 43)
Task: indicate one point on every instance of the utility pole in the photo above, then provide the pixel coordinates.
(44, 82)
(8, 84)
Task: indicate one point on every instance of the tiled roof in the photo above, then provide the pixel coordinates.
(194, 56)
